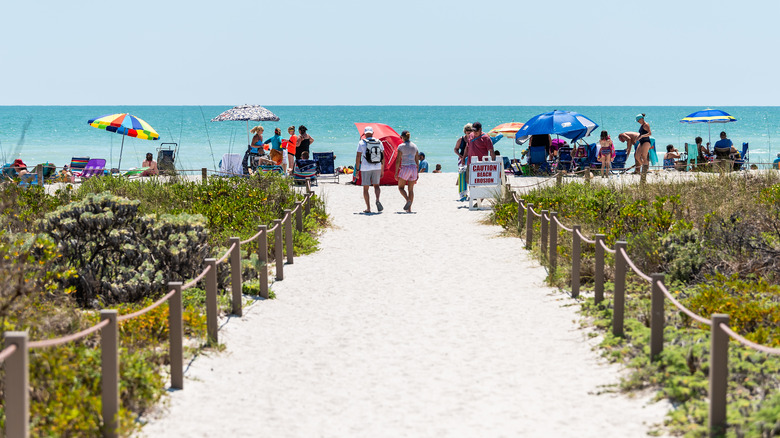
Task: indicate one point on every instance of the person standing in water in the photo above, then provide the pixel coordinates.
(406, 169)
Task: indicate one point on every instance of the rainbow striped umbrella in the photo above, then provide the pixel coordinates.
(127, 125)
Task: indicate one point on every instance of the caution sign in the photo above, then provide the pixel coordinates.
(484, 173)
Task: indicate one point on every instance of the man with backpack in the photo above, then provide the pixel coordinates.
(370, 160)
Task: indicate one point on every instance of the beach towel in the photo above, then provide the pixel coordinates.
(463, 184)
(230, 165)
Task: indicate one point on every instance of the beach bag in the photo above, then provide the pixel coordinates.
(374, 153)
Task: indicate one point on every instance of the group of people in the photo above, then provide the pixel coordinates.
(283, 152)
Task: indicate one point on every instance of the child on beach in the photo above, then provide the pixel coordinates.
(606, 153)
(406, 166)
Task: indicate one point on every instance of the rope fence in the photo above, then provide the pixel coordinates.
(15, 355)
(720, 331)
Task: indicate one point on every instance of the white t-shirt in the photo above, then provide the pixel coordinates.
(408, 152)
(365, 165)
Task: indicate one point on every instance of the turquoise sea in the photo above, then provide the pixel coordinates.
(56, 133)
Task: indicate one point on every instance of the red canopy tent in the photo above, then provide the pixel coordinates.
(390, 140)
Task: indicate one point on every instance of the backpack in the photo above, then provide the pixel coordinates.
(374, 152)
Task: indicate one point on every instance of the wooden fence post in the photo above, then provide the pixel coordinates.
(307, 200)
(529, 226)
(656, 316)
(543, 239)
(288, 236)
(520, 215)
(576, 254)
(559, 179)
(204, 174)
(719, 374)
(278, 249)
(619, 297)
(39, 173)
(553, 242)
(212, 309)
(299, 216)
(236, 282)
(109, 372)
(262, 257)
(17, 387)
(598, 292)
(176, 336)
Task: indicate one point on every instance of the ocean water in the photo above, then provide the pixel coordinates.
(56, 133)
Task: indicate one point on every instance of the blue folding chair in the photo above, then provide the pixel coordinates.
(537, 160)
(326, 166)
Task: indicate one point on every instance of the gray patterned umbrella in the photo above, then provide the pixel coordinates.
(246, 113)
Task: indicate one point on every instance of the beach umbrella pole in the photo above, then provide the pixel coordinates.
(120, 152)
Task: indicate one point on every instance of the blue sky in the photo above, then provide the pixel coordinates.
(713, 53)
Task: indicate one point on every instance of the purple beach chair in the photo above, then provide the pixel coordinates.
(94, 167)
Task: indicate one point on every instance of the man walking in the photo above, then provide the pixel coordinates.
(370, 160)
(480, 144)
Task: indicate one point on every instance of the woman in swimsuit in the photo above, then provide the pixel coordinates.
(304, 141)
(291, 143)
(644, 143)
(257, 139)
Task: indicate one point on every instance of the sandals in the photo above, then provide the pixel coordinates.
(379, 206)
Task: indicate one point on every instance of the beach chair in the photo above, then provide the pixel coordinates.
(165, 157)
(691, 156)
(230, 165)
(77, 164)
(537, 160)
(326, 166)
(743, 159)
(565, 159)
(95, 167)
(619, 162)
(271, 168)
(305, 170)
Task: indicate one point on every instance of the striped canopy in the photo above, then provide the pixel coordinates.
(709, 116)
(125, 124)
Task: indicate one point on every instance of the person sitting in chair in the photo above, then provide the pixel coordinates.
(672, 154)
(20, 168)
(724, 148)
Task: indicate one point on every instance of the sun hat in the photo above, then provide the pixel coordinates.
(368, 130)
(19, 162)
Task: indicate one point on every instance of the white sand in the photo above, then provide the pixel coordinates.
(426, 324)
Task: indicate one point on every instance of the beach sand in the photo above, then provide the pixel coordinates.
(425, 324)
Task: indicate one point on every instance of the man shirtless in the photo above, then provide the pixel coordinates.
(630, 139)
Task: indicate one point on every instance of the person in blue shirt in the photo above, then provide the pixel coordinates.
(776, 163)
(724, 144)
(423, 167)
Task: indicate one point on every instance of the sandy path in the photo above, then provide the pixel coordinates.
(426, 324)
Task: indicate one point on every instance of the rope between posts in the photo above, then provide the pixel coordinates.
(196, 279)
(562, 225)
(547, 218)
(633, 266)
(7, 352)
(244, 242)
(536, 184)
(272, 229)
(227, 254)
(535, 213)
(585, 239)
(66, 339)
(606, 248)
(747, 343)
(142, 311)
(682, 308)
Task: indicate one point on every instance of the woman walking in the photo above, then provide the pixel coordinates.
(304, 141)
(406, 169)
(643, 149)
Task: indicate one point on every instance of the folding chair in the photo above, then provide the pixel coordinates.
(326, 166)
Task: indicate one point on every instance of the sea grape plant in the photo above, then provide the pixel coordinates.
(121, 256)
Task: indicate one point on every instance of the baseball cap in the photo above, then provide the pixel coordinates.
(476, 126)
(368, 130)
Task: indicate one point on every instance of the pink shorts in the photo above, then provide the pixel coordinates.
(408, 172)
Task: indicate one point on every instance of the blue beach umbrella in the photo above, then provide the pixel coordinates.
(571, 125)
(709, 116)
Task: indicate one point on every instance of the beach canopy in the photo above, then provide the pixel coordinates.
(127, 125)
(390, 140)
(709, 116)
(571, 125)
